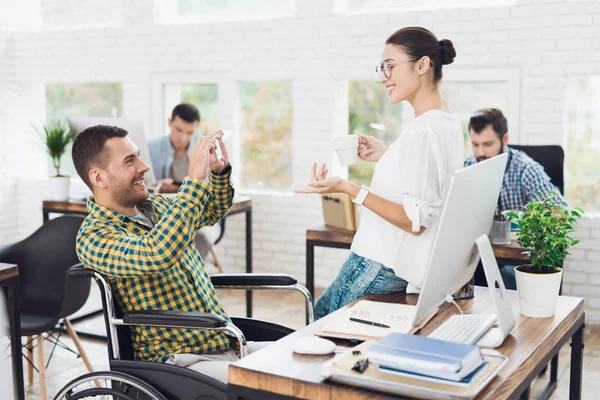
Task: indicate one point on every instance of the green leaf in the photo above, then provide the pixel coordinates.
(56, 137)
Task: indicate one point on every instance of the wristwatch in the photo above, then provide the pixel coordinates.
(361, 196)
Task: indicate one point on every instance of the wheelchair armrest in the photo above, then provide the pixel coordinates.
(78, 271)
(225, 280)
(177, 319)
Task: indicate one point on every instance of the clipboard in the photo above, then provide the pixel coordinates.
(339, 211)
(340, 370)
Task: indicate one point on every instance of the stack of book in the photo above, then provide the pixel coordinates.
(428, 359)
(417, 366)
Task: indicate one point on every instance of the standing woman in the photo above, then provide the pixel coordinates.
(401, 210)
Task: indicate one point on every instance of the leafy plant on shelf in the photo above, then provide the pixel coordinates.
(56, 136)
(544, 229)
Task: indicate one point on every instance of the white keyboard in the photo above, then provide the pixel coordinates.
(466, 329)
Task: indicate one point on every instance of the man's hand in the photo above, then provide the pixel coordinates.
(319, 183)
(218, 165)
(370, 148)
(200, 156)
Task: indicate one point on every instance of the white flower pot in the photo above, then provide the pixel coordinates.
(58, 188)
(538, 293)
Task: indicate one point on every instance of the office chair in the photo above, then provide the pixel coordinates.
(48, 295)
(129, 378)
(551, 157)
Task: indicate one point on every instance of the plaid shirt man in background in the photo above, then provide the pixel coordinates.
(144, 243)
(523, 177)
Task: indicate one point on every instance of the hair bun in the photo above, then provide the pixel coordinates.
(447, 51)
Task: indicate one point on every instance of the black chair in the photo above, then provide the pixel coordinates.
(48, 294)
(552, 158)
(129, 378)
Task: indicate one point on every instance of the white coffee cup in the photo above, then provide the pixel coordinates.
(346, 148)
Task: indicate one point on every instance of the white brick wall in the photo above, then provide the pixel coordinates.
(548, 41)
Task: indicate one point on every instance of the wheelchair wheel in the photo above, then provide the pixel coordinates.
(108, 385)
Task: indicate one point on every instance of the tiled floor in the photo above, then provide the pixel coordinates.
(287, 308)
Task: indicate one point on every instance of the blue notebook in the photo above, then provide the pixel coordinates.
(464, 382)
(426, 356)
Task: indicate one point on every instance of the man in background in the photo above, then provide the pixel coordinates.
(169, 155)
(524, 178)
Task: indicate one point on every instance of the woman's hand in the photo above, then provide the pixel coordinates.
(370, 148)
(319, 183)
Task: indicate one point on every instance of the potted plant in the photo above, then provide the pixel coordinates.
(56, 136)
(544, 229)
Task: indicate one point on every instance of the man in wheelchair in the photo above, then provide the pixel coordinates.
(144, 244)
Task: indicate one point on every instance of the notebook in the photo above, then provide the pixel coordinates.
(466, 381)
(426, 356)
(399, 318)
(340, 370)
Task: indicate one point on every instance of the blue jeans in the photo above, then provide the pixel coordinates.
(357, 277)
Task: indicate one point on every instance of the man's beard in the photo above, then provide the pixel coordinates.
(483, 158)
(126, 195)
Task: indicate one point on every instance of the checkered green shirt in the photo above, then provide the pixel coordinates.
(160, 269)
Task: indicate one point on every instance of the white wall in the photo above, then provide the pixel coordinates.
(547, 41)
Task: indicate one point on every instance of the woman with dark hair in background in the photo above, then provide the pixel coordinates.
(401, 209)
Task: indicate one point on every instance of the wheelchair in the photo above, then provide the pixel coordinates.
(130, 379)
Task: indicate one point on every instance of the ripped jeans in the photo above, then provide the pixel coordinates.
(357, 277)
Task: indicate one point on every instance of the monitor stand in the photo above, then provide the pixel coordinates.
(504, 313)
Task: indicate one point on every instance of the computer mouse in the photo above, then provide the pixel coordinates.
(313, 345)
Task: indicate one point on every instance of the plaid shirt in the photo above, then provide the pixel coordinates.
(522, 178)
(160, 268)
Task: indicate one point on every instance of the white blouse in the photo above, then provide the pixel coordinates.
(415, 171)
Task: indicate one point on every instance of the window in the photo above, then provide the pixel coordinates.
(80, 13)
(371, 113)
(182, 11)
(204, 96)
(266, 135)
(582, 150)
(373, 6)
(82, 100)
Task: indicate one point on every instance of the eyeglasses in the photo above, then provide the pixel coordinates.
(384, 71)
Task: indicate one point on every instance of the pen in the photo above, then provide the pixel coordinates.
(362, 321)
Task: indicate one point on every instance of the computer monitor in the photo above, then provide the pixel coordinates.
(135, 131)
(467, 214)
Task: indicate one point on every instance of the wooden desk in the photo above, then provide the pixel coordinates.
(328, 236)
(275, 372)
(9, 278)
(241, 204)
